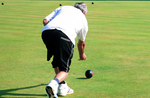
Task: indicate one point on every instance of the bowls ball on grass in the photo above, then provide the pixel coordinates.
(89, 73)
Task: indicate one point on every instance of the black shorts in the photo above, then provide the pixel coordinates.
(60, 47)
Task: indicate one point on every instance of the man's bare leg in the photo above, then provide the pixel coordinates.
(60, 75)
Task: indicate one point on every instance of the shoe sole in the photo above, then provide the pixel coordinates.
(49, 91)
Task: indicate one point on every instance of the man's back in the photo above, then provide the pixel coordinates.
(69, 20)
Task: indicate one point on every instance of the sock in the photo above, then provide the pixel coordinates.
(63, 82)
(56, 80)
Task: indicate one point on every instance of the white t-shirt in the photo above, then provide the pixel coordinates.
(70, 21)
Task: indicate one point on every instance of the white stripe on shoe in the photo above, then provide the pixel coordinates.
(70, 91)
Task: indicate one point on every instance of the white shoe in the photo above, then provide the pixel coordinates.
(63, 90)
(51, 89)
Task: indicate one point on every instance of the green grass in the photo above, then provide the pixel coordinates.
(117, 49)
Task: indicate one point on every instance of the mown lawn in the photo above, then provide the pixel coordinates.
(117, 49)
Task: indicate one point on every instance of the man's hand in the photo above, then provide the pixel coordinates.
(45, 21)
(82, 57)
(81, 46)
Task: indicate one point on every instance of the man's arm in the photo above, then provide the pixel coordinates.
(45, 21)
(81, 46)
(51, 16)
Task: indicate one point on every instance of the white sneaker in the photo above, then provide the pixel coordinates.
(63, 90)
(51, 89)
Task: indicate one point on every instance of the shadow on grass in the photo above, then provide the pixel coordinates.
(8, 92)
(82, 78)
